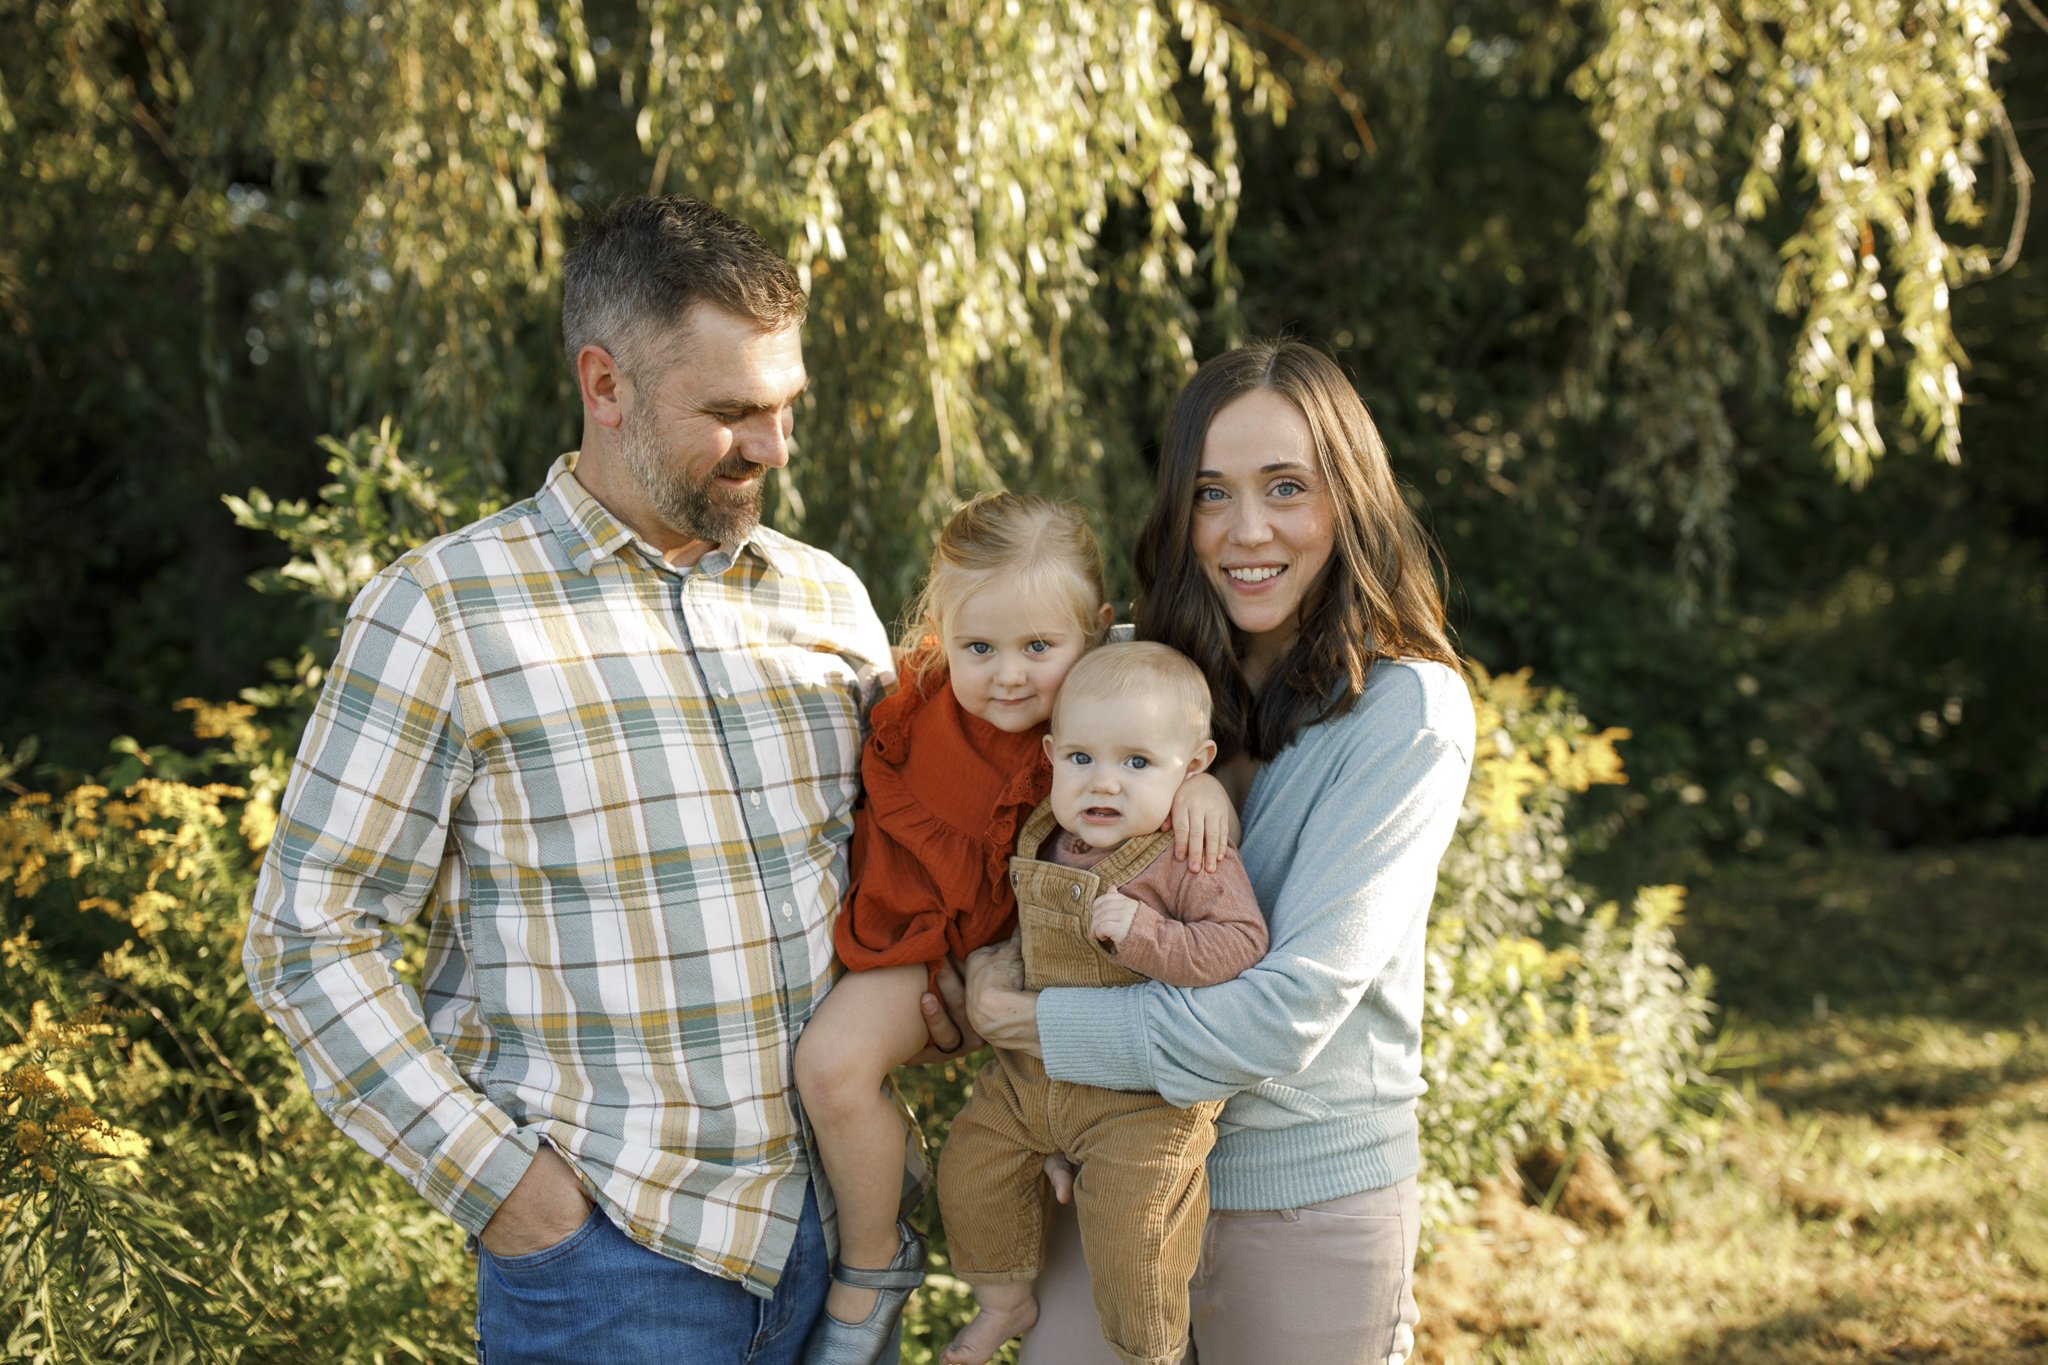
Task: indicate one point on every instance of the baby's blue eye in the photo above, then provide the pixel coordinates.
(1138, 761)
(1079, 760)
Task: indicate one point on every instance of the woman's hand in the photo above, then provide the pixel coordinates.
(997, 1004)
(1203, 820)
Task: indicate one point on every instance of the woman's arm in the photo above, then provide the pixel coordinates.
(1363, 873)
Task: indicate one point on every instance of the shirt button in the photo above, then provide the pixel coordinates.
(787, 909)
(754, 799)
(725, 693)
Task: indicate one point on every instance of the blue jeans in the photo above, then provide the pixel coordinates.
(601, 1296)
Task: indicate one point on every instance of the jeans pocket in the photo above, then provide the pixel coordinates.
(529, 1260)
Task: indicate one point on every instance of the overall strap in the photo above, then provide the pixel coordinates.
(1134, 857)
(1037, 829)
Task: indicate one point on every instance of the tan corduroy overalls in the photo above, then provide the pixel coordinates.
(1141, 1189)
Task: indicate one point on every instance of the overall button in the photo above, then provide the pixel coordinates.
(1073, 893)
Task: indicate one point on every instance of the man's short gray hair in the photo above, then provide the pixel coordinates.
(642, 263)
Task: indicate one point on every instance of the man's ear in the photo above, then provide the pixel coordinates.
(1204, 755)
(603, 386)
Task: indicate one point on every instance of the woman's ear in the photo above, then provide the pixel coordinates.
(1108, 615)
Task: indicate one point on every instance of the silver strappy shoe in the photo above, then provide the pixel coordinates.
(833, 1342)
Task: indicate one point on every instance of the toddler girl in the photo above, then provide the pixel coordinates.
(955, 762)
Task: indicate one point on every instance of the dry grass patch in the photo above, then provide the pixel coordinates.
(1878, 1188)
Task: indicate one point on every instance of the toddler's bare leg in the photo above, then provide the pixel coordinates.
(1006, 1310)
(867, 1026)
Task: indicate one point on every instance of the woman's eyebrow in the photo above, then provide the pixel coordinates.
(1283, 466)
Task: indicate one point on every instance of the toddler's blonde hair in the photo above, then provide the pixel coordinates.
(1034, 546)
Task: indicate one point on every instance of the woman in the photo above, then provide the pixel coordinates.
(1281, 557)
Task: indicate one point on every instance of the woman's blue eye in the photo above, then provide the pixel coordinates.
(1287, 488)
(1203, 494)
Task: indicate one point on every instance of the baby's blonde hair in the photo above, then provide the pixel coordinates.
(1034, 546)
(1139, 668)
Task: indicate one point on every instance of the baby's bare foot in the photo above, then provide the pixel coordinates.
(991, 1327)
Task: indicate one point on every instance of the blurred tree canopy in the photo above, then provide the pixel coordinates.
(1631, 285)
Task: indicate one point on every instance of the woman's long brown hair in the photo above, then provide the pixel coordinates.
(1378, 598)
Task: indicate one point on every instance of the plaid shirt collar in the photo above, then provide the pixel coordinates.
(590, 533)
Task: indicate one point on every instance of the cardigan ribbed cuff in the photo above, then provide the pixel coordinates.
(1097, 1036)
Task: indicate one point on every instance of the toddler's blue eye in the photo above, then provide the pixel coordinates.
(981, 647)
(1037, 647)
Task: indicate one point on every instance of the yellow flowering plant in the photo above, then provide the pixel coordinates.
(168, 1190)
(82, 1236)
(1552, 1022)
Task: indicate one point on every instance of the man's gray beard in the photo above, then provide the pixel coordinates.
(691, 507)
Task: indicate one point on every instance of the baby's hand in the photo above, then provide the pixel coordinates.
(1203, 822)
(1109, 918)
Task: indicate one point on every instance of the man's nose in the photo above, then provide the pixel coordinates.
(765, 441)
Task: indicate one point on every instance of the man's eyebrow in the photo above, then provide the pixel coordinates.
(750, 406)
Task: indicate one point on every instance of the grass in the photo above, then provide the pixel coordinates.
(1877, 1190)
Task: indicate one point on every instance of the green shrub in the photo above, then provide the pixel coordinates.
(1548, 1022)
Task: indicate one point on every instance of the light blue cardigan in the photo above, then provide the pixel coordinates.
(1343, 831)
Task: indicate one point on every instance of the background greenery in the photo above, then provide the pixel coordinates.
(1695, 328)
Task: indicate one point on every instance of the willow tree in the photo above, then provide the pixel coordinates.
(230, 228)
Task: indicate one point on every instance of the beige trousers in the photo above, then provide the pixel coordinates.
(1326, 1284)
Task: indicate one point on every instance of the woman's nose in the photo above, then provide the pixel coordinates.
(1248, 526)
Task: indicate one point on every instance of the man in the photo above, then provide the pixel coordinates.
(610, 736)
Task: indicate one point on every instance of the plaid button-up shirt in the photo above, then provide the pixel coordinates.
(625, 791)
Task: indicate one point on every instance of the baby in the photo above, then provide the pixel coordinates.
(1101, 901)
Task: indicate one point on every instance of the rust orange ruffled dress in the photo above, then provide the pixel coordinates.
(944, 793)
